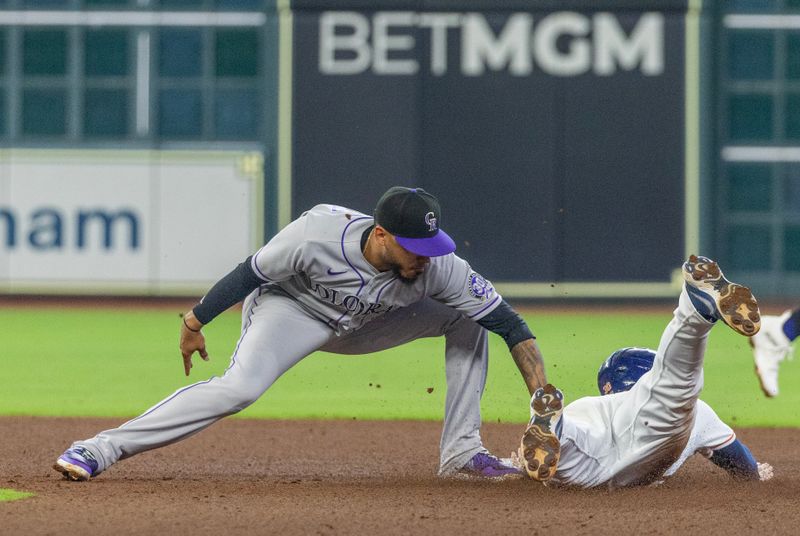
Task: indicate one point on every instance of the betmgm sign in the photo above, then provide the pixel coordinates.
(559, 44)
(559, 140)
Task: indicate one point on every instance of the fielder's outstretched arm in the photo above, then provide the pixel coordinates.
(530, 363)
(226, 292)
(504, 321)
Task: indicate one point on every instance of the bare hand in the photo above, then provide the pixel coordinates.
(191, 341)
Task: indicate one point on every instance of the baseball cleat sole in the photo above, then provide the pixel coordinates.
(540, 449)
(735, 304)
(71, 471)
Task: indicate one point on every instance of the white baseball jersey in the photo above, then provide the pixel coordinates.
(595, 444)
(709, 433)
(638, 436)
(317, 260)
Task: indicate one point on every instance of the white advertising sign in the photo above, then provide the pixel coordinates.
(126, 222)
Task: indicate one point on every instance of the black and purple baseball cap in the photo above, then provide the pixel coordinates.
(413, 216)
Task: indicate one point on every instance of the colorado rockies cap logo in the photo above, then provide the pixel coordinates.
(430, 219)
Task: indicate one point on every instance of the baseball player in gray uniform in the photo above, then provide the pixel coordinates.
(340, 281)
(641, 432)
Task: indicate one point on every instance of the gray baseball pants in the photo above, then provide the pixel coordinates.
(276, 334)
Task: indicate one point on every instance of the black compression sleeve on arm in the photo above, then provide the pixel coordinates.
(508, 324)
(228, 291)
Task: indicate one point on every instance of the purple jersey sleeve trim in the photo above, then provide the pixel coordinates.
(256, 269)
(487, 308)
(350, 264)
(378, 297)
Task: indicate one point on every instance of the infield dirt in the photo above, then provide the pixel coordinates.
(351, 477)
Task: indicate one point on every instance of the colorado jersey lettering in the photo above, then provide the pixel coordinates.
(317, 260)
(311, 289)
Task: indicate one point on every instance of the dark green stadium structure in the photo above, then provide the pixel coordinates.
(662, 127)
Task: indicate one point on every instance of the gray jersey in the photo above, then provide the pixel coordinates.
(317, 260)
(314, 270)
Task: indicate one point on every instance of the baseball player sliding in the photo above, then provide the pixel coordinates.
(710, 437)
(650, 419)
(344, 282)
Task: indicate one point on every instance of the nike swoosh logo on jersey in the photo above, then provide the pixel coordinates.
(331, 272)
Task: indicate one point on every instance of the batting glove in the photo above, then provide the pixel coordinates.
(765, 471)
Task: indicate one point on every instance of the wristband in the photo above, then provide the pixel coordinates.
(190, 329)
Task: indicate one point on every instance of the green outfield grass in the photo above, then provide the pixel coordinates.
(117, 363)
(13, 495)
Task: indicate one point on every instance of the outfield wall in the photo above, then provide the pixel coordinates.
(561, 137)
(126, 222)
(553, 133)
